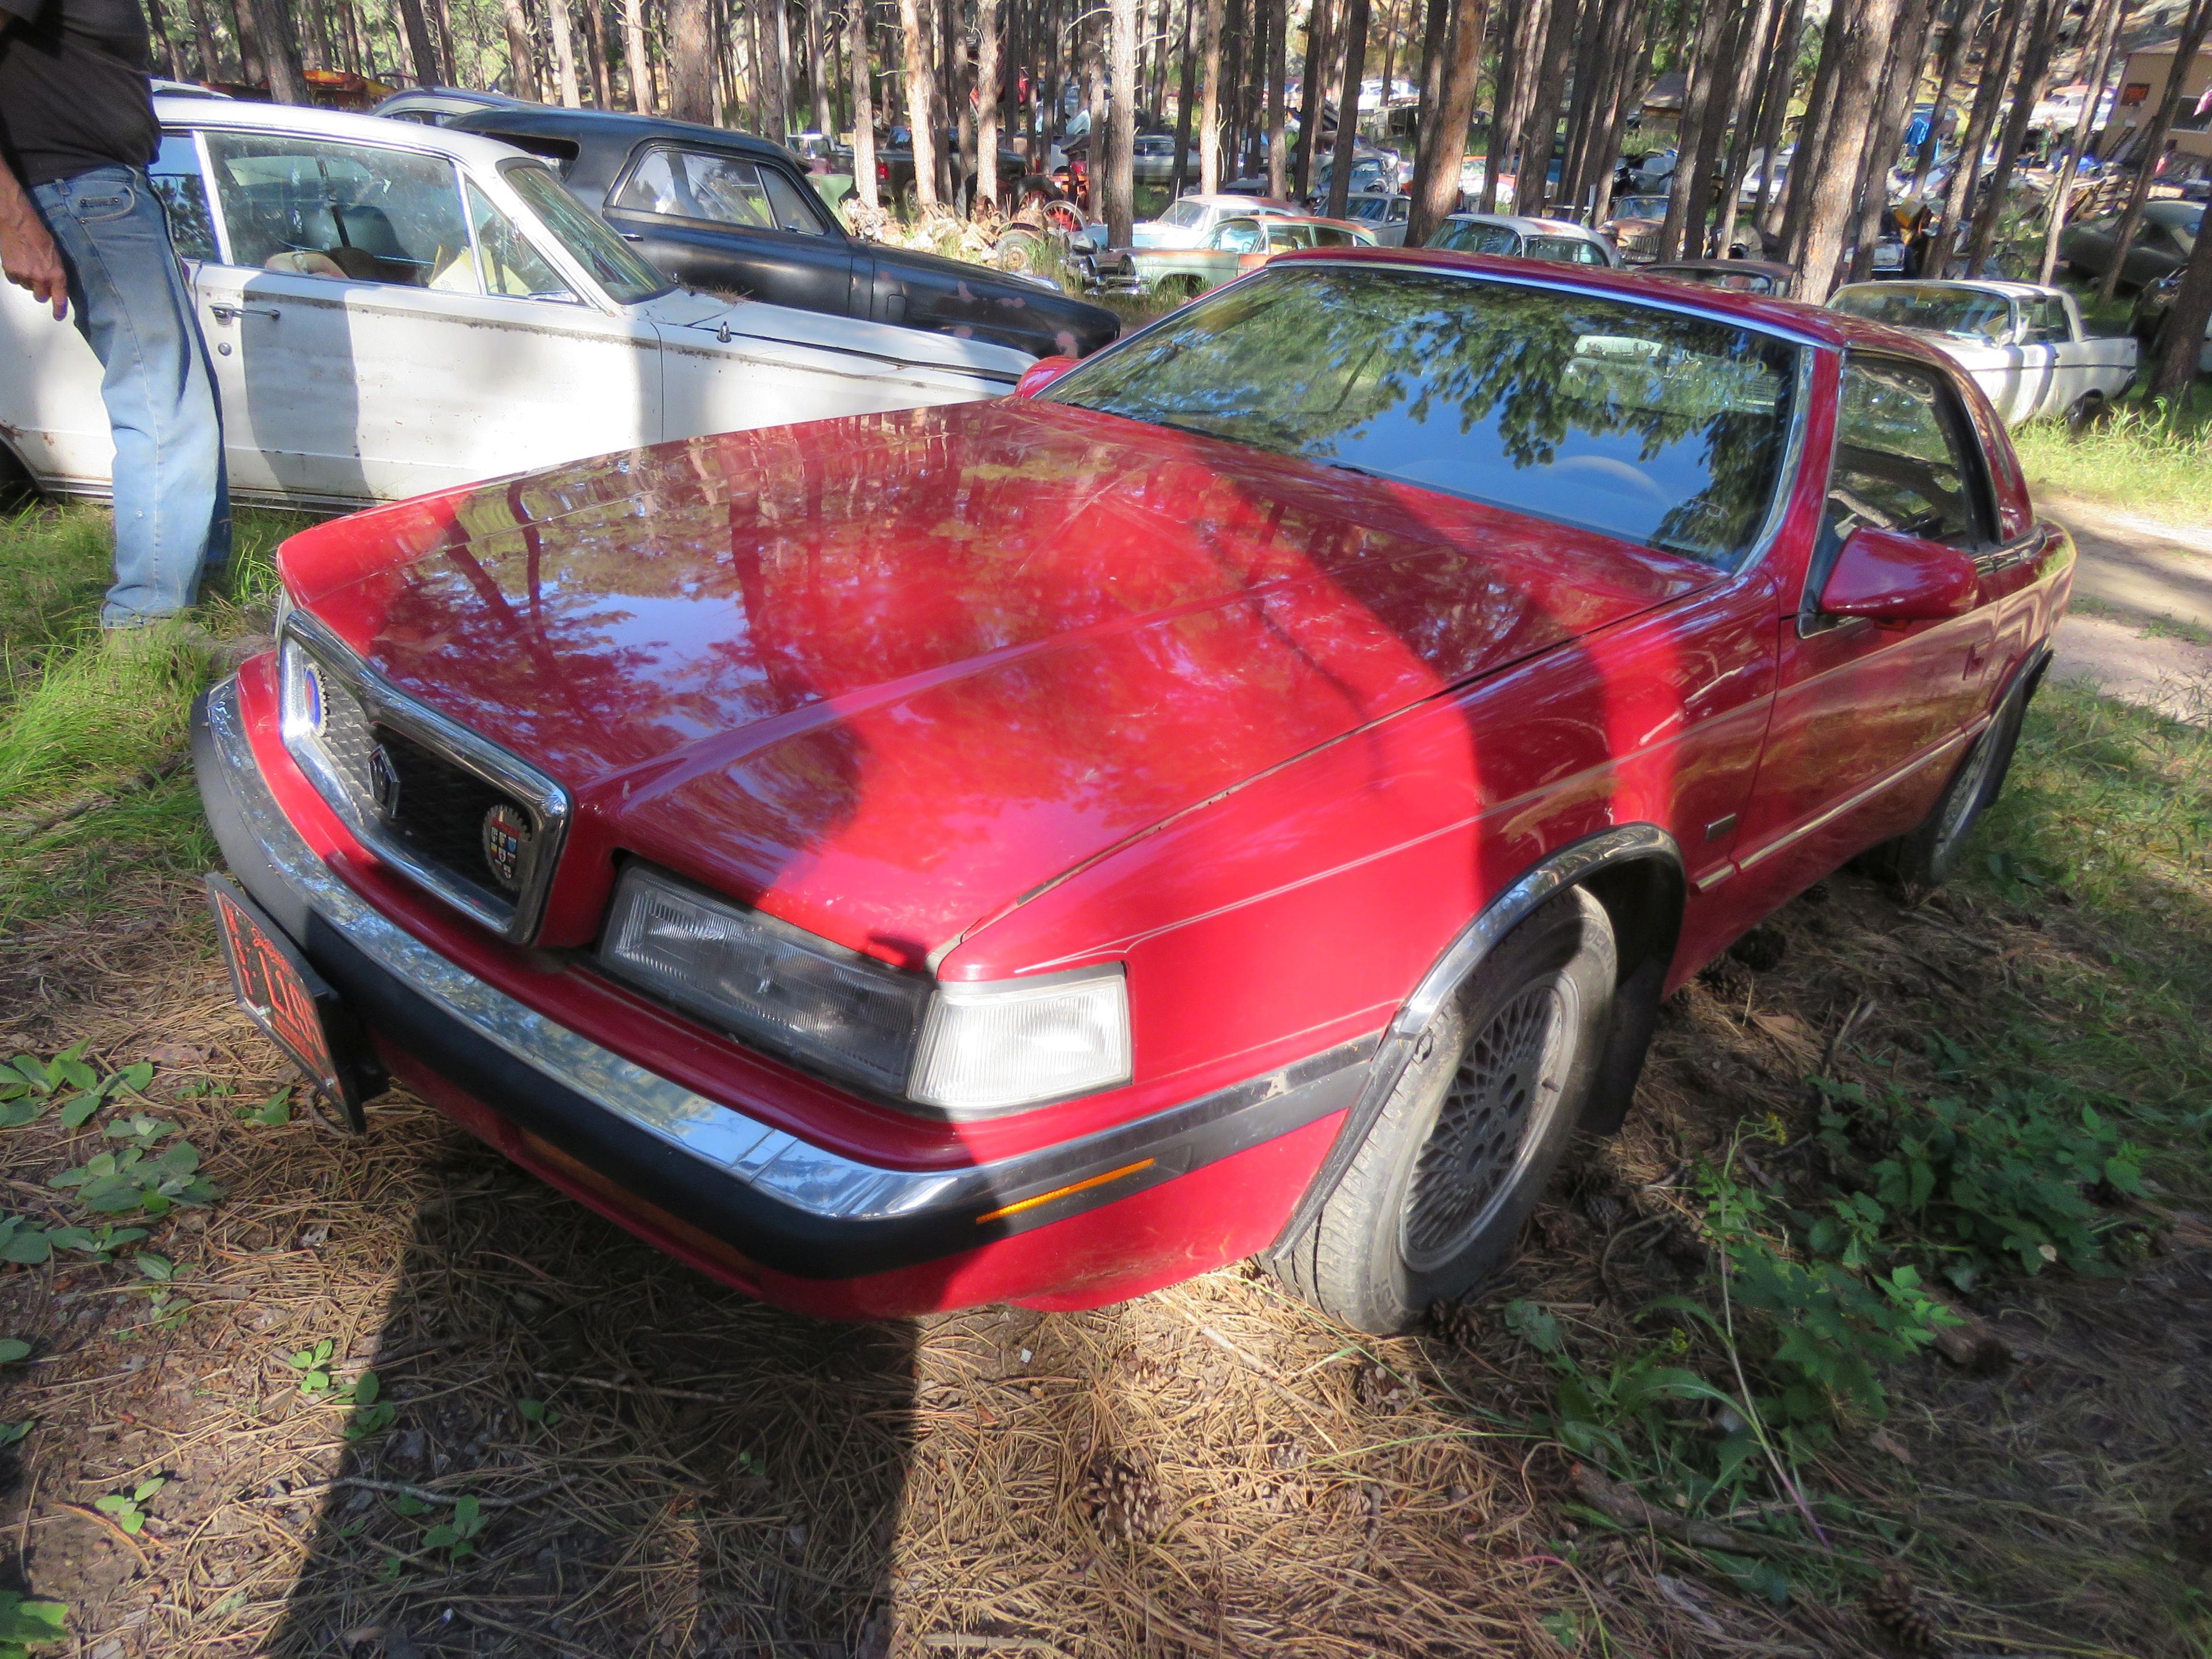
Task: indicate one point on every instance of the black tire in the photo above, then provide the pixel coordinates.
(1476, 1124)
(1925, 856)
(18, 489)
(2086, 411)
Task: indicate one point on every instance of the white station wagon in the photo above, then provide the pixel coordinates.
(392, 308)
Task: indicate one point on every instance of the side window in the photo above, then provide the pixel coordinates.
(506, 260)
(792, 212)
(1241, 236)
(657, 184)
(2043, 322)
(176, 177)
(1905, 460)
(354, 211)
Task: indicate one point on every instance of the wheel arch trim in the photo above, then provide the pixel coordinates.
(1572, 865)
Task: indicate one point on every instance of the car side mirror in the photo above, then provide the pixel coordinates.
(1888, 577)
(1041, 374)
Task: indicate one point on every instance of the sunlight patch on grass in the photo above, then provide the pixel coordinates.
(2131, 460)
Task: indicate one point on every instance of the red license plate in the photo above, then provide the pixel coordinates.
(287, 998)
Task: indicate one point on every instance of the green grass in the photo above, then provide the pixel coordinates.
(2137, 460)
(92, 737)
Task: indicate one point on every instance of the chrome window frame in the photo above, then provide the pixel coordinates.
(384, 703)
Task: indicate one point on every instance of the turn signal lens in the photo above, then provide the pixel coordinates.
(989, 1047)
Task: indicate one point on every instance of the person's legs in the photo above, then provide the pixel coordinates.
(172, 508)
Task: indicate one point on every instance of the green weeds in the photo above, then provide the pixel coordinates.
(123, 1508)
(26, 1624)
(2146, 461)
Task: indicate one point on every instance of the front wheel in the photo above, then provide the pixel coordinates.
(1472, 1129)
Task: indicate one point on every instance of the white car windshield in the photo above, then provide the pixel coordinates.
(1185, 215)
(627, 278)
(1962, 313)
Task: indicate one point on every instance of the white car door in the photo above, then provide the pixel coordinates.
(380, 328)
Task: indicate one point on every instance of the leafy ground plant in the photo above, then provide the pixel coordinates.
(124, 1508)
(29, 1085)
(26, 1624)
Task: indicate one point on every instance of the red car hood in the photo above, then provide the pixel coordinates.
(884, 676)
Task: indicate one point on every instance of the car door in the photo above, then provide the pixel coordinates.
(1869, 717)
(381, 327)
(733, 223)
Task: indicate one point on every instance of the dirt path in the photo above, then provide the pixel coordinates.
(2142, 623)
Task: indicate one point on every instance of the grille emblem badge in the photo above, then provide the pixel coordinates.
(506, 839)
(384, 781)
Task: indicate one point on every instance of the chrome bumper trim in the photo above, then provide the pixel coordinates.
(778, 1165)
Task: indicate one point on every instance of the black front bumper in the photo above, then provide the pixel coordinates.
(773, 1199)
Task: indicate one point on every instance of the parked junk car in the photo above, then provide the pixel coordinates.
(1514, 237)
(1189, 220)
(1154, 158)
(2150, 317)
(2024, 344)
(1384, 216)
(1017, 183)
(2162, 243)
(1635, 226)
(392, 309)
(732, 214)
(1233, 247)
(1766, 276)
(1246, 794)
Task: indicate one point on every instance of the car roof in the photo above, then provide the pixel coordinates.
(2010, 290)
(1816, 324)
(307, 122)
(2170, 210)
(552, 121)
(1526, 225)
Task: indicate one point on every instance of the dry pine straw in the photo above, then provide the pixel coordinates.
(720, 1478)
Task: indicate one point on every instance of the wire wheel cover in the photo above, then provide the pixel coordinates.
(1508, 1085)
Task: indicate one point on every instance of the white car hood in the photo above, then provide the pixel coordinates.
(725, 321)
(1155, 234)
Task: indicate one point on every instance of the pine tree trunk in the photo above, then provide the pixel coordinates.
(1996, 71)
(989, 48)
(2034, 66)
(2180, 344)
(595, 44)
(1436, 27)
(1623, 87)
(1965, 20)
(1685, 227)
(641, 74)
(1278, 114)
(690, 62)
(1829, 199)
(920, 97)
(1435, 188)
(1756, 41)
(1186, 96)
(204, 37)
(280, 52)
(1347, 109)
(1813, 133)
(860, 61)
(2154, 144)
(1209, 103)
(1321, 27)
(1600, 17)
(446, 55)
(1235, 37)
(1780, 78)
(1900, 79)
(1540, 133)
(2103, 24)
(419, 47)
(1119, 184)
(564, 54)
(1512, 50)
(521, 49)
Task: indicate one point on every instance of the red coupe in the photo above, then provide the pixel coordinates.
(1246, 794)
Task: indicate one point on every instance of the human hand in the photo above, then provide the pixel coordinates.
(27, 253)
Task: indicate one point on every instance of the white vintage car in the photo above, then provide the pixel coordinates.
(2023, 344)
(392, 308)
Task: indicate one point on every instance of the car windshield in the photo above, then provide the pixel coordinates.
(1642, 423)
(1185, 214)
(1472, 236)
(627, 278)
(1640, 207)
(1962, 313)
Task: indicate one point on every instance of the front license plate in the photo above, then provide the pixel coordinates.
(291, 1003)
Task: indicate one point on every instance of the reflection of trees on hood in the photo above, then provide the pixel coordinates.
(1313, 362)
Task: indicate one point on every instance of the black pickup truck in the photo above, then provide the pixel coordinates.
(721, 210)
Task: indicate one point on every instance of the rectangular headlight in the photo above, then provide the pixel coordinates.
(963, 1049)
(764, 980)
(987, 1048)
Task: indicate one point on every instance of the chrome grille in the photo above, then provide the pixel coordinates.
(416, 786)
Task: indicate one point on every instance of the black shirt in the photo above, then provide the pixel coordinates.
(74, 93)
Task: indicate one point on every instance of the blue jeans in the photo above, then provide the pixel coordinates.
(171, 500)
